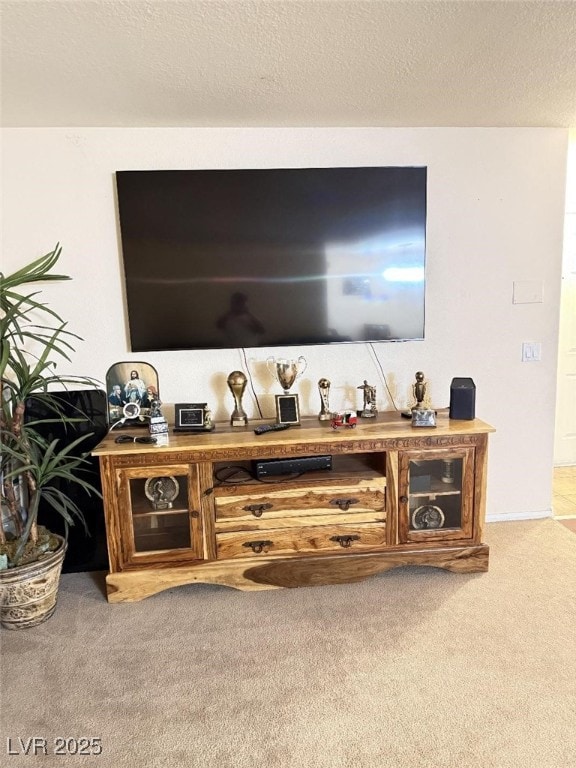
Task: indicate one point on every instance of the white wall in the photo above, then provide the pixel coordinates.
(495, 215)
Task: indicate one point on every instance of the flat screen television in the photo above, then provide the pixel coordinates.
(217, 259)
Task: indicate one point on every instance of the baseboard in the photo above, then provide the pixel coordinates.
(519, 516)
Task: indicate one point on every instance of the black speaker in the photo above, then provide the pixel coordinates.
(85, 552)
(462, 399)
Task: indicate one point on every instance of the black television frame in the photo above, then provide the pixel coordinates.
(170, 220)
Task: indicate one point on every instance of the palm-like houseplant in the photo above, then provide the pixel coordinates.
(34, 469)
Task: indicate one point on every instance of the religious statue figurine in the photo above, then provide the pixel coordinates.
(157, 424)
(421, 415)
(324, 389)
(369, 409)
(155, 408)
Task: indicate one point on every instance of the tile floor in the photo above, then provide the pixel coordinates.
(564, 496)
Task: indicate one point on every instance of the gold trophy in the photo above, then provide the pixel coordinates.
(237, 384)
(324, 389)
(287, 371)
(422, 416)
(369, 409)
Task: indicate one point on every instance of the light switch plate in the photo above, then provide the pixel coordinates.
(531, 351)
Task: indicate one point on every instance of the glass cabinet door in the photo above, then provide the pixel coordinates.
(435, 497)
(161, 515)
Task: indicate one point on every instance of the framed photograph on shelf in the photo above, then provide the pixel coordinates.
(132, 387)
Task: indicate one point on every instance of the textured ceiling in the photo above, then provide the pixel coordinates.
(288, 63)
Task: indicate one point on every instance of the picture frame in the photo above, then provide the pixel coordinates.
(132, 387)
(287, 409)
(192, 417)
(423, 417)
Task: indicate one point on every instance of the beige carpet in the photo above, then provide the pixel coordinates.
(416, 668)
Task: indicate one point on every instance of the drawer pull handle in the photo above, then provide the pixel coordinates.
(344, 504)
(344, 541)
(257, 509)
(257, 546)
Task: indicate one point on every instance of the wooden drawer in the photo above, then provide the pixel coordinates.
(282, 541)
(298, 520)
(300, 499)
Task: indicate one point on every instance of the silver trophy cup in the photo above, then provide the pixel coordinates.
(287, 371)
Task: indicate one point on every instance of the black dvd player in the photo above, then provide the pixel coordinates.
(272, 467)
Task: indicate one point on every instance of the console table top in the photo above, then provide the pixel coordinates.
(388, 425)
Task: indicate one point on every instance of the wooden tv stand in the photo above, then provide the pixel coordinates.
(191, 512)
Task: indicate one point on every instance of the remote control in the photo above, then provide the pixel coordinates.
(270, 428)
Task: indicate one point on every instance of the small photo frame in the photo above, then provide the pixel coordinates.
(192, 417)
(423, 417)
(287, 409)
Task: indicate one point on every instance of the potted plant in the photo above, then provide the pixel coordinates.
(34, 338)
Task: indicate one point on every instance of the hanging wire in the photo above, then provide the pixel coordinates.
(247, 367)
(382, 374)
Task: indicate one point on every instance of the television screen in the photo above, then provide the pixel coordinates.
(271, 257)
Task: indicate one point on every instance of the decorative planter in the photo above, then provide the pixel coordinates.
(28, 593)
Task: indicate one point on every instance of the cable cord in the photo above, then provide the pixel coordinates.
(382, 375)
(251, 383)
(131, 439)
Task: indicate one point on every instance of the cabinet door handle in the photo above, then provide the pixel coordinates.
(344, 504)
(404, 499)
(257, 546)
(257, 509)
(344, 541)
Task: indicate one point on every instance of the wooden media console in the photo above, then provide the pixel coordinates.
(193, 510)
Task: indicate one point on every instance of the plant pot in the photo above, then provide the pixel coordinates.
(28, 593)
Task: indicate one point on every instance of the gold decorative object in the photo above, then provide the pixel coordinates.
(419, 390)
(324, 389)
(422, 416)
(369, 409)
(237, 384)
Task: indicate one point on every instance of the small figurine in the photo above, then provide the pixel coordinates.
(369, 409)
(419, 390)
(155, 411)
(344, 419)
(208, 419)
(324, 389)
(422, 416)
(157, 424)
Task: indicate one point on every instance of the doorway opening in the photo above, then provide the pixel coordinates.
(564, 483)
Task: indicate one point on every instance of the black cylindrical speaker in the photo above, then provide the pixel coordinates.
(462, 399)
